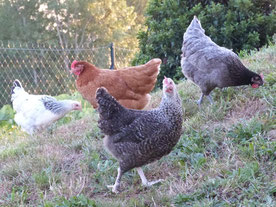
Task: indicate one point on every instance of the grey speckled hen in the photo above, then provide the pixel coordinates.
(209, 65)
(136, 138)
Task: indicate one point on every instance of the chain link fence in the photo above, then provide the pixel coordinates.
(45, 69)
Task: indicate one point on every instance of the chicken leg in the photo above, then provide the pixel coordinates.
(145, 182)
(116, 186)
(201, 99)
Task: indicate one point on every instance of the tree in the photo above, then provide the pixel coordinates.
(93, 22)
(139, 8)
(22, 21)
(235, 24)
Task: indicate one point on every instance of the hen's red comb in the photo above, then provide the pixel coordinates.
(74, 64)
(165, 80)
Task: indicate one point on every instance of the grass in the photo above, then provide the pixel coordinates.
(225, 157)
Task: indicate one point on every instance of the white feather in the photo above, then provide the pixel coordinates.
(31, 113)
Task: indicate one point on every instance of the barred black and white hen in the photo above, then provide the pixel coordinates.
(36, 112)
(136, 138)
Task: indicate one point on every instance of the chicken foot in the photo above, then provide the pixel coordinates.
(116, 186)
(145, 182)
(201, 99)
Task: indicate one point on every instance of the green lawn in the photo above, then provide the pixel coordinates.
(225, 157)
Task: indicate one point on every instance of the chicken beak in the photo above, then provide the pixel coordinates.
(262, 76)
(79, 108)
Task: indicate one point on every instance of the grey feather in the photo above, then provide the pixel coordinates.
(209, 65)
(51, 104)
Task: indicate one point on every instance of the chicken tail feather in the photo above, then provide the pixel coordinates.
(108, 106)
(16, 84)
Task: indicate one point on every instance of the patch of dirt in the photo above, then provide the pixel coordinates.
(245, 111)
(248, 109)
(272, 134)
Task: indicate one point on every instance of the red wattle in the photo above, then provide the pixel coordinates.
(73, 64)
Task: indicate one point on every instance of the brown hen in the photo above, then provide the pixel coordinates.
(130, 86)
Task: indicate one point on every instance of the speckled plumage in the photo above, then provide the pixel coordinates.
(136, 138)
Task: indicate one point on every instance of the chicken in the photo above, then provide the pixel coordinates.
(209, 65)
(130, 86)
(136, 137)
(35, 112)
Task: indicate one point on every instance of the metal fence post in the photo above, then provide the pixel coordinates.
(112, 55)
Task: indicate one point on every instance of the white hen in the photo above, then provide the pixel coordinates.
(36, 112)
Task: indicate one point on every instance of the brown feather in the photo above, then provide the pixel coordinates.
(130, 86)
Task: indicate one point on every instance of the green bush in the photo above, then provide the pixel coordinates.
(235, 24)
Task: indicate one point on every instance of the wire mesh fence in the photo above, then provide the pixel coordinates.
(45, 69)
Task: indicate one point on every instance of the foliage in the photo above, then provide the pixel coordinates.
(248, 178)
(6, 116)
(23, 21)
(79, 22)
(235, 24)
(139, 8)
(70, 23)
(76, 201)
